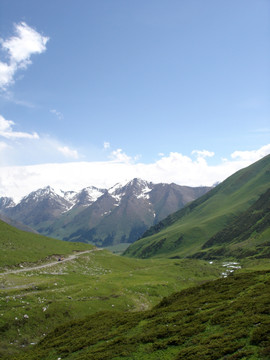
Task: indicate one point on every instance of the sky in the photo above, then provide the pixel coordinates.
(97, 92)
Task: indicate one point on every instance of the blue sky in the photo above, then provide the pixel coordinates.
(137, 85)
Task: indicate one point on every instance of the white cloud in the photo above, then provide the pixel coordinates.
(7, 72)
(119, 156)
(7, 132)
(106, 145)
(203, 153)
(252, 155)
(19, 49)
(67, 152)
(58, 114)
(178, 168)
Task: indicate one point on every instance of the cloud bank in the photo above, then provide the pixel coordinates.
(178, 168)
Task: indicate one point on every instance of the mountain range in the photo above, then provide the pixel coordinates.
(102, 217)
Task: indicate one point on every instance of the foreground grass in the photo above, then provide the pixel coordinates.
(34, 303)
(224, 319)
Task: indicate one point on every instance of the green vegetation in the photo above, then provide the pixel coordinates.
(223, 319)
(97, 305)
(247, 236)
(118, 249)
(92, 282)
(17, 247)
(185, 232)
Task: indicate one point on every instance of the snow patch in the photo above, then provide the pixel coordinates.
(145, 193)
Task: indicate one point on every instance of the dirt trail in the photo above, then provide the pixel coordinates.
(69, 258)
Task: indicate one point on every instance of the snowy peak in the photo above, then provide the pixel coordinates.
(48, 197)
(6, 202)
(88, 196)
(138, 188)
(135, 188)
(40, 194)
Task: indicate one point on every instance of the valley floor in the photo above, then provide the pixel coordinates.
(33, 301)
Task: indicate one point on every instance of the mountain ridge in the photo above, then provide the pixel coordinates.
(103, 217)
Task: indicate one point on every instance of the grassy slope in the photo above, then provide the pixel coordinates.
(17, 246)
(224, 319)
(248, 235)
(93, 282)
(184, 232)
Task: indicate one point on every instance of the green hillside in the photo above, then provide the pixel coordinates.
(223, 319)
(17, 246)
(185, 232)
(248, 235)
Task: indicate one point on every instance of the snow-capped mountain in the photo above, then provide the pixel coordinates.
(100, 216)
(87, 196)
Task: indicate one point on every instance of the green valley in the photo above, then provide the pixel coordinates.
(36, 300)
(200, 289)
(223, 319)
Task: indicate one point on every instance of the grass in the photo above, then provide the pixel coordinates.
(224, 319)
(17, 247)
(186, 231)
(97, 281)
(119, 248)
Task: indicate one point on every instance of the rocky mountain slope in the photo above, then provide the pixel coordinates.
(103, 217)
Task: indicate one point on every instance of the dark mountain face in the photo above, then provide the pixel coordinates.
(120, 214)
(123, 213)
(39, 207)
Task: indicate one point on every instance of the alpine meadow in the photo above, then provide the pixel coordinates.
(134, 180)
(205, 294)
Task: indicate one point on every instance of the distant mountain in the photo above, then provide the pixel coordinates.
(103, 217)
(39, 207)
(234, 213)
(16, 224)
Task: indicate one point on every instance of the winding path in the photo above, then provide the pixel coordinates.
(69, 258)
